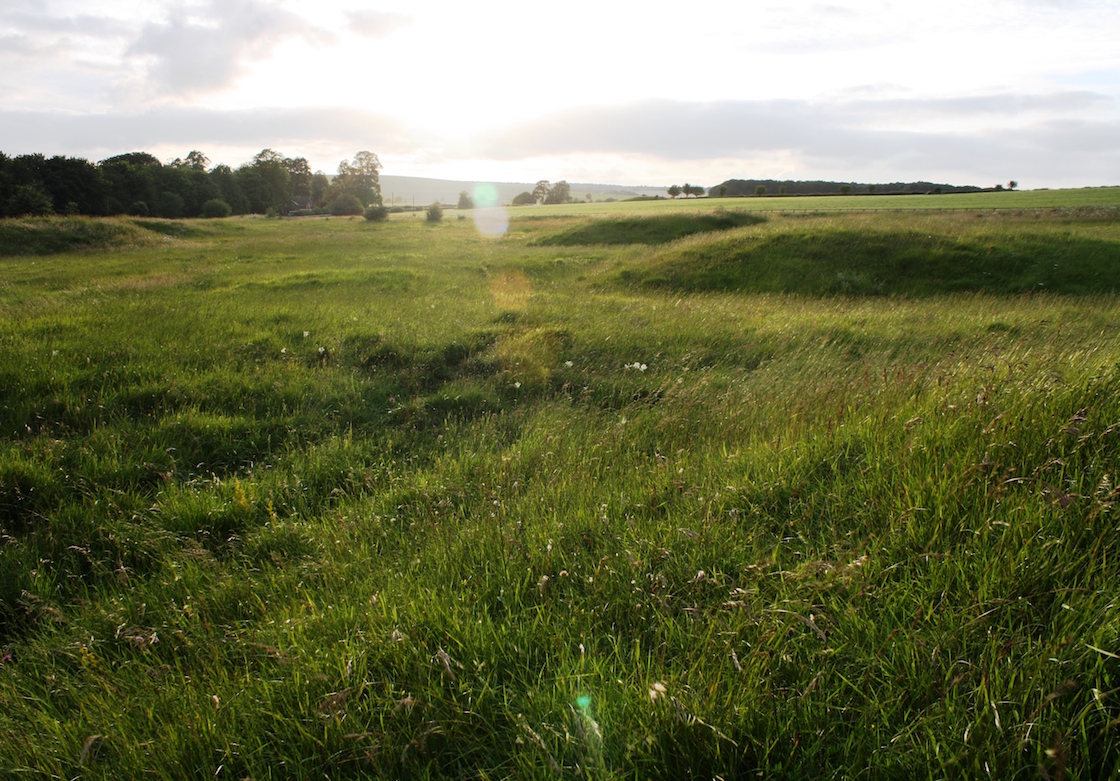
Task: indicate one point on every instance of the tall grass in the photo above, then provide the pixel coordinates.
(339, 499)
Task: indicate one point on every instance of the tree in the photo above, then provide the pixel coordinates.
(434, 213)
(359, 178)
(870, 188)
(723, 191)
(845, 189)
(346, 205)
(29, 200)
(216, 208)
(781, 189)
(320, 183)
(1012, 185)
(524, 199)
(674, 191)
(540, 192)
(559, 193)
(465, 201)
(760, 190)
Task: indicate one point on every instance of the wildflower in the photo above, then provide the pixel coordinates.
(283, 350)
(306, 334)
(517, 385)
(568, 364)
(322, 350)
(657, 691)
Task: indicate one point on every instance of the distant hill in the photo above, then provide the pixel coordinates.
(409, 189)
(774, 187)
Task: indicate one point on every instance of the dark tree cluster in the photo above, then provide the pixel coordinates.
(139, 184)
(741, 187)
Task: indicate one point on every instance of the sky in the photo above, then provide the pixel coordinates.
(607, 91)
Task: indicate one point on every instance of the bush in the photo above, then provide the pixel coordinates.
(465, 201)
(216, 208)
(138, 209)
(524, 199)
(346, 205)
(435, 212)
(376, 213)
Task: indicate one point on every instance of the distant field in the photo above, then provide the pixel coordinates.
(1024, 199)
(634, 491)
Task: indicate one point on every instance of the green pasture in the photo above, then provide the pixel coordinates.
(632, 491)
(1107, 197)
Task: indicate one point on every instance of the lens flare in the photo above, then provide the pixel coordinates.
(490, 218)
(583, 701)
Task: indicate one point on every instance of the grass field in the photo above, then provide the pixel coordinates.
(812, 496)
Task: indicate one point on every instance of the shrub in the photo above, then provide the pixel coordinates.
(346, 205)
(524, 199)
(138, 209)
(435, 212)
(216, 208)
(376, 213)
(465, 201)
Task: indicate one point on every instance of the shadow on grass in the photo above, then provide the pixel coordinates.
(861, 263)
(659, 229)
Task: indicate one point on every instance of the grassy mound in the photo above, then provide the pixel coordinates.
(833, 261)
(658, 229)
(52, 235)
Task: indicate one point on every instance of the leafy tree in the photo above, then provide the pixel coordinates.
(559, 193)
(1012, 185)
(216, 208)
(541, 191)
(690, 189)
(359, 178)
(781, 189)
(870, 188)
(225, 179)
(29, 200)
(299, 174)
(760, 190)
(346, 205)
(674, 191)
(845, 189)
(434, 213)
(524, 199)
(465, 201)
(723, 190)
(169, 204)
(320, 183)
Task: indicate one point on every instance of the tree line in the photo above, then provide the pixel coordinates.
(137, 183)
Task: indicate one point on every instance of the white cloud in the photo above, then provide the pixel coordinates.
(375, 24)
(194, 52)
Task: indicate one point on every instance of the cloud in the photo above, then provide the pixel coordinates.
(83, 25)
(98, 135)
(837, 136)
(193, 52)
(375, 24)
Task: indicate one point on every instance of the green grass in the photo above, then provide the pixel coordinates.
(325, 498)
(933, 254)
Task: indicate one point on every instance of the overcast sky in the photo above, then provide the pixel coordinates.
(612, 91)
